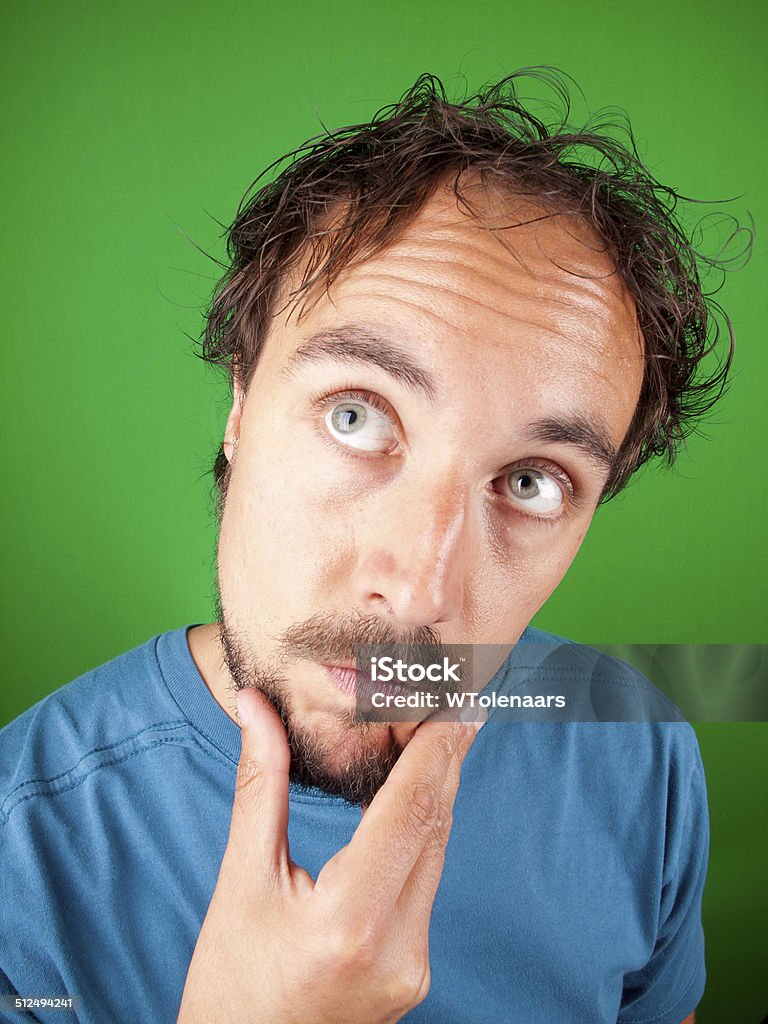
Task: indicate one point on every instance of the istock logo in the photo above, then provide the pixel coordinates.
(387, 670)
(408, 682)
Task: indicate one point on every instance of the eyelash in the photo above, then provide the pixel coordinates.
(322, 401)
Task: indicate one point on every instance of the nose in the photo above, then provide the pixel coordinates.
(414, 556)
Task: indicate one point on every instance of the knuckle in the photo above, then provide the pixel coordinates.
(411, 985)
(445, 745)
(423, 990)
(437, 836)
(444, 828)
(249, 778)
(352, 946)
(462, 738)
(356, 948)
(422, 805)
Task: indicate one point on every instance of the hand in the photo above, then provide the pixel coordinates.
(352, 947)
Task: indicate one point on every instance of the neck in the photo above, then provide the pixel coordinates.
(207, 655)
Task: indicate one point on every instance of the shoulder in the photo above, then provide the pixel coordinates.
(94, 720)
(597, 686)
(617, 760)
(613, 730)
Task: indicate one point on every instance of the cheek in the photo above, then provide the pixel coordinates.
(518, 577)
(279, 535)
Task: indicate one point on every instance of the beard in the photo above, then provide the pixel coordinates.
(356, 763)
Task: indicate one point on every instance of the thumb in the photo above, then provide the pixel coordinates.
(258, 834)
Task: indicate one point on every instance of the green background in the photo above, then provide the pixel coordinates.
(131, 129)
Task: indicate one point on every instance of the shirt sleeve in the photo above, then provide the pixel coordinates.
(670, 985)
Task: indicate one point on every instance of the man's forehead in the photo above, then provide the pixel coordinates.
(515, 249)
(508, 255)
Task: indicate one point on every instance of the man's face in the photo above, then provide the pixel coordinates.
(418, 459)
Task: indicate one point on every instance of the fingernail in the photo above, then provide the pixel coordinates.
(473, 717)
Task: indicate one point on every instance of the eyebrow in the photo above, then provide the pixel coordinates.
(590, 436)
(358, 344)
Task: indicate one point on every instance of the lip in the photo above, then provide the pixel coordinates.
(357, 684)
(347, 679)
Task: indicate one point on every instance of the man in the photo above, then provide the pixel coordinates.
(451, 332)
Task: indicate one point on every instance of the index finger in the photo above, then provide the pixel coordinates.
(258, 833)
(402, 816)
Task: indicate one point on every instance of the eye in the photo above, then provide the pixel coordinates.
(359, 425)
(532, 490)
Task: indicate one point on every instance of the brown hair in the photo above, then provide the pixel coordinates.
(374, 178)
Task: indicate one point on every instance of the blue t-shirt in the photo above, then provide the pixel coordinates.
(571, 890)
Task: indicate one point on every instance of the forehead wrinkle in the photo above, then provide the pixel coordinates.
(419, 307)
(537, 260)
(562, 288)
(557, 236)
(554, 330)
(539, 264)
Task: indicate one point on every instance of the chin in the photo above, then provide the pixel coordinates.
(351, 760)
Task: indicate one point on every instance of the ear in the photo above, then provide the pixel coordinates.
(232, 429)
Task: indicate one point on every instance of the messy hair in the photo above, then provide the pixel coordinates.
(346, 194)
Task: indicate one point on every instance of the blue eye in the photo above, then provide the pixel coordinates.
(533, 490)
(359, 425)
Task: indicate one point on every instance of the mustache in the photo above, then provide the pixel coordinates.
(334, 638)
